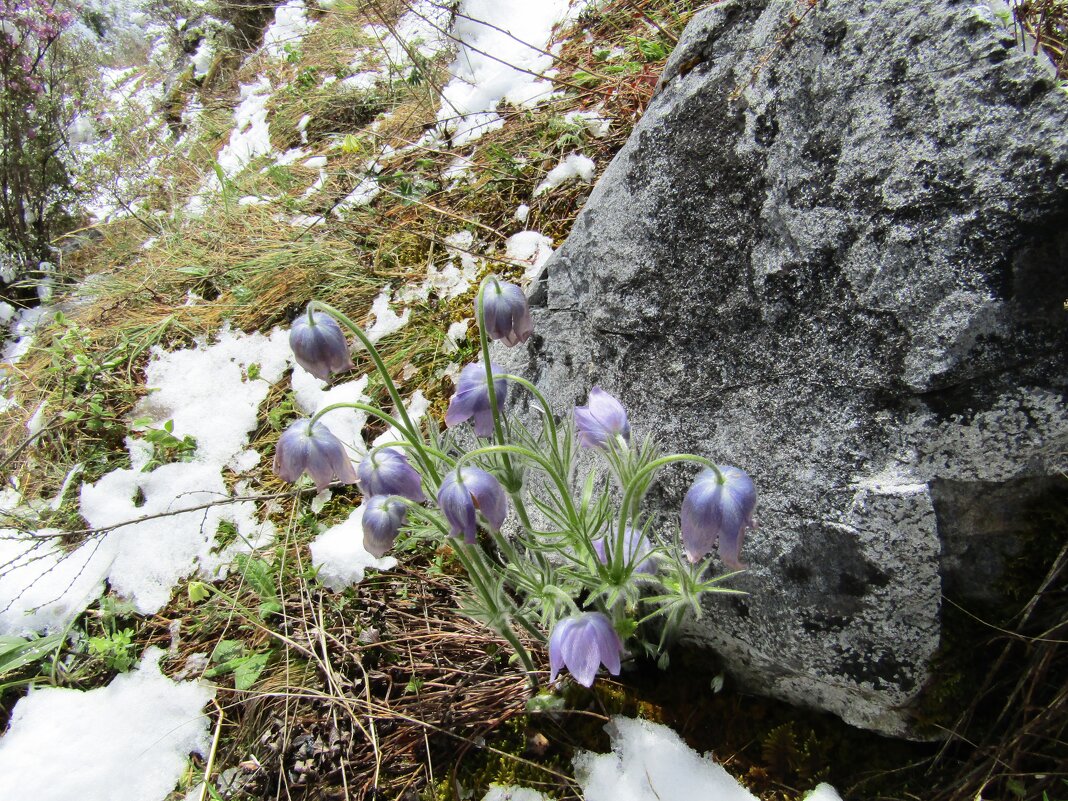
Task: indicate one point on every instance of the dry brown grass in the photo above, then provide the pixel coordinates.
(1046, 21)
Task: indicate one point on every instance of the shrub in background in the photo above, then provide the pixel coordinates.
(36, 107)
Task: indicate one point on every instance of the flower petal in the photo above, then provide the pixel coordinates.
(582, 654)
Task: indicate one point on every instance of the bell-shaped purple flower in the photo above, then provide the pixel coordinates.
(636, 547)
(717, 515)
(507, 313)
(387, 472)
(466, 492)
(319, 345)
(601, 420)
(471, 401)
(382, 518)
(582, 643)
(310, 447)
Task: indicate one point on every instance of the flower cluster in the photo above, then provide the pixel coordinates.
(587, 547)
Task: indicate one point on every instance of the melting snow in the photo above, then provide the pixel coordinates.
(290, 24)
(650, 762)
(202, 58)
(386, 320)
(26, 323)
(574, 166)
(456, 334)
(530, 248)
(498, 63)
(365, 191)
(250, 137)
(422, 29)
(42, 586)
(595, 124)
(339, 555)
(128, 741)
(500, 792)
(208, 395)
(360, 82)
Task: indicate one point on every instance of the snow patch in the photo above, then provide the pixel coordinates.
(574, 166)
(595, 124)
(386, 320)
(500, 792)
(530, 248)
(128, 741)
(340, 557)
(287, 30)
(650, 762)
(313, 394)
(501, 56)
(43, 586)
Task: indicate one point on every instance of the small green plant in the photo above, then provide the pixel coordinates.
(649, 49)
(262, 577)
(88, 390)
(114, 649)
(166, 447)
(281, 412)
(307, 78)
(292, 53)
(114, 646)
(231, 657)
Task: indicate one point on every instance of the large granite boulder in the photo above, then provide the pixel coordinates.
(834, 252)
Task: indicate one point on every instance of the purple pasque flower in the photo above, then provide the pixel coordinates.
(506, 313)
(387, 472)
(717, 515)
(319, 345)
(636, 548)
(471, 401)
(382, 518)
(310, 447)
(464, 493)
(601, 420)
(582, 643)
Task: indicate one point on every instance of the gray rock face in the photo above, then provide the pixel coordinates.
(834, 252)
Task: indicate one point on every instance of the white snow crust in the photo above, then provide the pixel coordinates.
(650, 762)
(128, 741)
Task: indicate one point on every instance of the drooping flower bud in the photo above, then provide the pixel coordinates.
(471, 401)
(636, 550)
(310, 447)
(582, 643)
(601, 420)
(382, 519)
(387, 472)
(507, 313)
(319, 345)
(717, 515)
(466, 492)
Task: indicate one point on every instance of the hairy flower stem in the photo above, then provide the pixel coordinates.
(514, 485)
(413, 433)
(472, 560)
(517, 495)
(550, 422)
